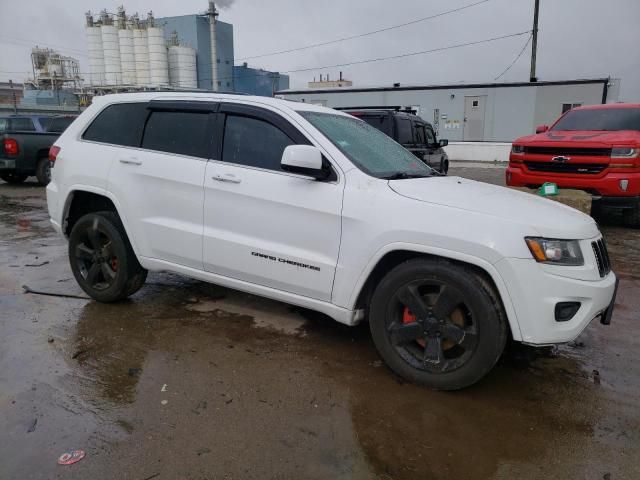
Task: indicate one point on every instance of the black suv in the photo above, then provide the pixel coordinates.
(409, 130)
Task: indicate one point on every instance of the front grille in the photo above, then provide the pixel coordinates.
(557, 167)
(568, 151)
(602, 257)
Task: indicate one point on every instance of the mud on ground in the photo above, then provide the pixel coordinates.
(192, 381)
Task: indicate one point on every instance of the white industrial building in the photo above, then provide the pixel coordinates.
(479, 120)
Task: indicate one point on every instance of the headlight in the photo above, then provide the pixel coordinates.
(624, 152)
(519, 149)
(557, 252)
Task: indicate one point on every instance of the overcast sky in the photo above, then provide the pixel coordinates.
(578, 38)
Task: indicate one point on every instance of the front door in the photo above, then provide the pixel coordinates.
(474, 108)
(263, 225)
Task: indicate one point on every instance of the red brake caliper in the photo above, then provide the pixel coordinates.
(408, 317)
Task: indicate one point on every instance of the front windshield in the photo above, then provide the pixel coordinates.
(370, 150)
(608, 119)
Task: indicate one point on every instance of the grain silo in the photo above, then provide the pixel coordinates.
(158, 59)
(96, 54)
(111, 49)
(141, 52)
(182, 64)
(125, 41)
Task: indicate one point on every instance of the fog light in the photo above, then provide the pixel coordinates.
(565, 311)
(624, 184)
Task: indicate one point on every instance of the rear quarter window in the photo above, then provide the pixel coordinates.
(56, 124)
(119, 124)
(22, 125)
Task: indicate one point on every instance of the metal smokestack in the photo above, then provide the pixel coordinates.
(213, 14)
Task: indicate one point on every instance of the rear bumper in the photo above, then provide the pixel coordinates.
(607, 185)
(535, 292)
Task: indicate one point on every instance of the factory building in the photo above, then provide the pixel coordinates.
(495, 112)
(256, 81)
(194, 31)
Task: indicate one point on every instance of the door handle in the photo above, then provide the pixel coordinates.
(131, 161)
(228, 178)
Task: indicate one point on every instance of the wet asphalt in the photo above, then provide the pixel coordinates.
(188, 380)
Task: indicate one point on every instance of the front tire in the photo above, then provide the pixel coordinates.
(437, 324)
(102, 259)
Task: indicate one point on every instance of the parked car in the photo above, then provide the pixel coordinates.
(26, 140)
(409, 130)
(594, 148)
(314, 207)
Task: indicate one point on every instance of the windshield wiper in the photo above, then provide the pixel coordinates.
(405, 176)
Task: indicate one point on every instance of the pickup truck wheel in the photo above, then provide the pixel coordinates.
(43, 171)
(13, 178)
(631, 217)
(437, 324)
(102, 259)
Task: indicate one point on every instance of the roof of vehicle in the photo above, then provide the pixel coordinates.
(38, 115)
(212, 96)
(608, 106)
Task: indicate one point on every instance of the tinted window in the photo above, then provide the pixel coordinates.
(600, 119)
(22, 125)
(404, 131)
(418, 133)
(431, 137)
(4, 123)
(177, 132)
(119, 124)
(56, 124)
(381, 122)
(253, 142)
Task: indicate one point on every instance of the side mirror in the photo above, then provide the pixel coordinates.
(542, 128)
(443, 142)
(304, 160)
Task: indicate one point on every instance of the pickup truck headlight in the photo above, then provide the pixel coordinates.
(624, 152)
(517, 149)
(556, 252)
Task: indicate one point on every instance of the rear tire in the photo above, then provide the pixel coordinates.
(43, 171)
(102, 259)
(13, 178)
(445, 341)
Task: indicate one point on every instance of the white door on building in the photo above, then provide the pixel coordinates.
(474, 108)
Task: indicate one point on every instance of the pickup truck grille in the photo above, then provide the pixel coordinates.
(569, 151)
(602, 257)
(553, 167)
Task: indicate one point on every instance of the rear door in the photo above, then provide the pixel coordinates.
(261, 224)
(160, 184)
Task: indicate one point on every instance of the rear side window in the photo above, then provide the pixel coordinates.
(184, 133)
(418, 133)
(4, 123)
(56, 124)
(431, 137)
(404, 131)
(119, 124)
(252, 142)
(22, 125)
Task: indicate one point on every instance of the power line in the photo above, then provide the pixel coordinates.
(516, 59)
(366, 34)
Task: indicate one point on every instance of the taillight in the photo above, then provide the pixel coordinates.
(53, 154)
(11, 146)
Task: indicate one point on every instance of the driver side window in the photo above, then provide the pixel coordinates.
(431, 137)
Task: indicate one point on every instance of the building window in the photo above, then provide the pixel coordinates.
(219, 83)
(228, 84)
(217, 60)
(568, 106)
(227, 62)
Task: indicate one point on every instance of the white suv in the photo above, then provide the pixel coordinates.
(316, 208)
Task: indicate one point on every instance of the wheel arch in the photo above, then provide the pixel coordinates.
(393, 255)
(82, 200)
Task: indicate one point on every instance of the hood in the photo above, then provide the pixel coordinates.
(586, 138)
(546, 217)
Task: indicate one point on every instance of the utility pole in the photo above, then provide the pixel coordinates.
(534, 42)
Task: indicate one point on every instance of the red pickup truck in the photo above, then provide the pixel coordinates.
(594, 148)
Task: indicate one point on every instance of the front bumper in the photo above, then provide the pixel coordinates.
(535, 292)
(606, 184)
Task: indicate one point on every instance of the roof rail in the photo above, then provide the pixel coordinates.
(394, 108)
